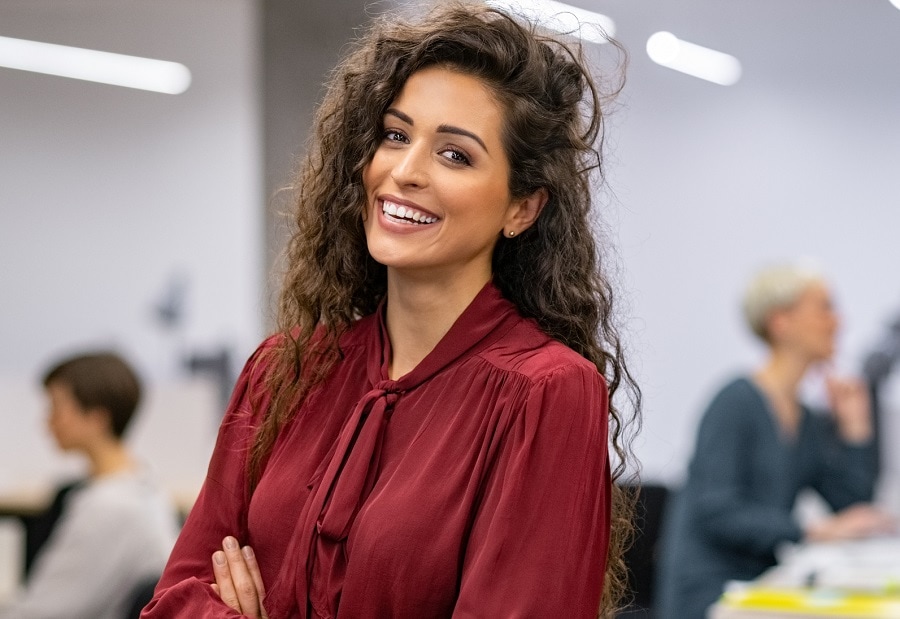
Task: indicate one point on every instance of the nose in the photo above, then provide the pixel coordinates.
(410, 167)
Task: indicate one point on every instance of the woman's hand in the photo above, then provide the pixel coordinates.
(857, 521)
(852, 409)
(238, 581)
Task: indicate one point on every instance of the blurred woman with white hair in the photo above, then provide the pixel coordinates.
(758, 446)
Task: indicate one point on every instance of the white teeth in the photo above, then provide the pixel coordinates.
(406, 212)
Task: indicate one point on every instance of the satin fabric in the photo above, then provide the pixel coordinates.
(475, 485)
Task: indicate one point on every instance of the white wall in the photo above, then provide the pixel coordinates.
(108, 193)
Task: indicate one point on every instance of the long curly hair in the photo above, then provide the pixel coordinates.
(554, 272)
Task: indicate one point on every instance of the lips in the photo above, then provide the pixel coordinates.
(406, 214)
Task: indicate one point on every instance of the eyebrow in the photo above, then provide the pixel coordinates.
(441, 128)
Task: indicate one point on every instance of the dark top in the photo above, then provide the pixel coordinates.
(736, 505)
(477, 485)
(40, 527)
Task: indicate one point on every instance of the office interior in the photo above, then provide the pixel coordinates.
(152, 222)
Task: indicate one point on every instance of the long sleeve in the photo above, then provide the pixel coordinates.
(539, 539)
(742, 497)
(221, 509)
(846, 473)
(476, 485)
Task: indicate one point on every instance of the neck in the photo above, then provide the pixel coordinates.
(108, 457)
(779, 378)
(420, 311)
(783, 372)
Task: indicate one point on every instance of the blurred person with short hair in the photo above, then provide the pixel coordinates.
(117, 527)
(759, 445)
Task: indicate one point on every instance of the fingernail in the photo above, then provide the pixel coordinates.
(219, 557)
(230, 543)
(248, 552)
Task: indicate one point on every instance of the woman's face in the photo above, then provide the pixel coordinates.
(69, 423)
(437, 188)
(810, 324)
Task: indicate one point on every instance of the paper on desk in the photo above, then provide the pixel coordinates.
(871, 565)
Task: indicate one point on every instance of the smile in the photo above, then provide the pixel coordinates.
(406, 214)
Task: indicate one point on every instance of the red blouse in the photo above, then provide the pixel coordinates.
(477, 485)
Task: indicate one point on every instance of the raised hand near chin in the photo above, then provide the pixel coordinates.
(851, 407)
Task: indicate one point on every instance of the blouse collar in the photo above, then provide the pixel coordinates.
(488, 317)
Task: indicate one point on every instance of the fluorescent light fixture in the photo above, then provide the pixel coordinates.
(666, 49)
(561, 17)
(896, 3)
(95, 66)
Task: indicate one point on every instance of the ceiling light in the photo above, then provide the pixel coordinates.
(665, 49)
(562, 18)
(896, 3)
(95, 66)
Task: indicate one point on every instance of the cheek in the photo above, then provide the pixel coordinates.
(373, 172)
(368, 191)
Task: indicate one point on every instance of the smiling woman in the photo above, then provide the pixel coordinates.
(430, 433)
(442, 160)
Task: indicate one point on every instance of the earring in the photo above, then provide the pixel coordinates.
(511, 233)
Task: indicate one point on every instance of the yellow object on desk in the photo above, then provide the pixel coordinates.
(817, 602)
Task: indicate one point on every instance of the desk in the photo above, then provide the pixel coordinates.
(853, 580)
(25, 501)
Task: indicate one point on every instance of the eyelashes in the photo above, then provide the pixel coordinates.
(453, 154)
(390, 135)
(456, 155)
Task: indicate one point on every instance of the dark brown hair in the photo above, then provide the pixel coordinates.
(100, 380)
(554, 272)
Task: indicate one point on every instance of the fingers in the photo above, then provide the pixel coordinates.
(852, 409)
(244, 586)
(238, 580)
(224, 586)
(848, 389)
(253, 568)
(859, 521)
(869, 520)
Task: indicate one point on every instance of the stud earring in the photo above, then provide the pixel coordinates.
(511, 233)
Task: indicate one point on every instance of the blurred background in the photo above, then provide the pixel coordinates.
(149, 222)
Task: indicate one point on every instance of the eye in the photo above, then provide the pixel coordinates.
(456, 156)
(392, 135)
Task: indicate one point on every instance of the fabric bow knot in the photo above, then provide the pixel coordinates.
(353, 469)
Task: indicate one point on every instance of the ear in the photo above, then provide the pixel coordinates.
(100, 418)
(776, 324)
(523, 212)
